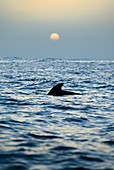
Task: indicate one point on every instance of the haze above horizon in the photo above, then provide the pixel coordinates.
(85, 27)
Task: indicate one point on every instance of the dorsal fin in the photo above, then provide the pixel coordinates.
(56, 90)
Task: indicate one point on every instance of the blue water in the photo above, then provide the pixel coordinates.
(41, 132)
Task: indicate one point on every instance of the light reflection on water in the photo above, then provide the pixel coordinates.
(45, 132)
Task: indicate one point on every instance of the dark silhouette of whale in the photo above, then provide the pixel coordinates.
(57, 91)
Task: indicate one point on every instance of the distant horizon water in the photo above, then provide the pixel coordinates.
(55, 58)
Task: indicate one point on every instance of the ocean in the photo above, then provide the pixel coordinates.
(42, 132)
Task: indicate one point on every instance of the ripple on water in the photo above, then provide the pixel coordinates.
(17, 166)
(110, 142)
(43, 137)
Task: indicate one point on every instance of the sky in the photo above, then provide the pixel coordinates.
(86, 29)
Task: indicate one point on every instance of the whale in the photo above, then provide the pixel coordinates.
(57, 91)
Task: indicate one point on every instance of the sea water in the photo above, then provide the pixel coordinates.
(41, 132)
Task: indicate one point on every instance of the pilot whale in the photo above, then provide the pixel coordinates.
(57, 91)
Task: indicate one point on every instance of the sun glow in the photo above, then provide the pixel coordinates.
(54, 37)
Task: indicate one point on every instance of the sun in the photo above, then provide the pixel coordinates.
(54, 36)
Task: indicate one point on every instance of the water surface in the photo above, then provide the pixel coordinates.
(41, 132)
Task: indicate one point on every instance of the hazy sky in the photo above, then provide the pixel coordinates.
(86, 28)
